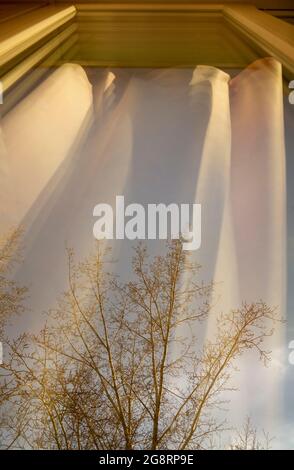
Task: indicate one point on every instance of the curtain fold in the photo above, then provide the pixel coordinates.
(38, 135)
(258, 179)
(258, 200)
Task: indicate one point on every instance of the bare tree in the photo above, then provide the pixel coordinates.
(11, 294)
(119, 366)
(12, 298)
(249, 439)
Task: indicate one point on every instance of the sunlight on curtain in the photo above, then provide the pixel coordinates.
(38, 135)
(241, 186)
(258, 199)
(158, 136)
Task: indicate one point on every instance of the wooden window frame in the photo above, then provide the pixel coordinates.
(56, 27)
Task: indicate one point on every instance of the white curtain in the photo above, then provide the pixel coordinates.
(156, 136)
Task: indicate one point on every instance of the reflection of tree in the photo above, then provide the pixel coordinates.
(11, 301)
(118, 366)
(11, 295)
(247, 438)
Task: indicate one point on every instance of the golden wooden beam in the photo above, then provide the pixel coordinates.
(38, 57)
(20, 33)
(269, 35)
(35, 75)
(144, 34)
(83, 8)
